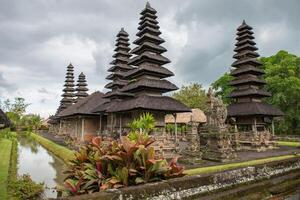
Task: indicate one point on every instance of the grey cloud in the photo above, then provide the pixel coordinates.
(39, 38)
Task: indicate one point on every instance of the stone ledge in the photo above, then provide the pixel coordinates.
(200, 185)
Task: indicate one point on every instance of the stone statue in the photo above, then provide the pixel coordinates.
(217, 112)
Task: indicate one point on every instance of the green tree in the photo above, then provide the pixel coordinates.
(283, 81)
(192, 95)
(222, 88)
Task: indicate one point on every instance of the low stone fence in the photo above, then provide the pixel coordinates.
(193, 187)
(291, 138)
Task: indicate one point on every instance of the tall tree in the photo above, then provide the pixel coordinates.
(192, 95)
(222, 88)
(283, 81)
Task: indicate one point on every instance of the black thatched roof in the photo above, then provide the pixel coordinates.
(145, 102)
(148, 69)
(4, 121)
(248, 73)
(84, 106)
(162, 85)
(252, 108)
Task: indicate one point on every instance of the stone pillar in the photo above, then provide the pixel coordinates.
(120, 125)
(175, 123)
(100, 124)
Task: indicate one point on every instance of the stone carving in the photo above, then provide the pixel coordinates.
(215, 140)
(217, 112)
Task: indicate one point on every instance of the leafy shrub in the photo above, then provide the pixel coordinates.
(25, 188)
(130, 162)
(144, 124)
(7, 134)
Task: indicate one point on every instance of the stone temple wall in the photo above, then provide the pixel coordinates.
(234, 182)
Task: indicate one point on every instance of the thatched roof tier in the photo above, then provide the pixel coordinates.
(196, 115)
(148, 69)
(247, 70)
(116, 74)
(148, 46)
(245, 47)
(250, 92)
(122, 32)
(246, 61)
(246, 53)
(245, 31)
(247, 81)
(147, 57)
(117, 94)
(147, 37)
(245, 41)
(116, 83)
(149, 84)
(120, 60)
(145, 102)
(119, 66)
(4, 121)
(84, 106)
(148, 19)
(252, 108)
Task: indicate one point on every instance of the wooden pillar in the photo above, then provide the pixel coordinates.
(100, 124)
(175, 122)
(82, 129)
(273, 133)
(255, 127)
(76, 128)
(111, 123)
(60, 125)
(120, 125)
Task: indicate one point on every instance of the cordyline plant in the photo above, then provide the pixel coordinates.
(132, 161)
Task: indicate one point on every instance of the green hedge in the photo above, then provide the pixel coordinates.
(218, 168)
(62, 152)
(5, 152)
(289, 144)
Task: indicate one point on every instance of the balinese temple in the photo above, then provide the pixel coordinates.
(4, 121)
(146, 82)
(69, 90)
(251, 116)
(81, 88)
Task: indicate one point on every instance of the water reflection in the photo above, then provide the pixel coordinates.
(40, 164)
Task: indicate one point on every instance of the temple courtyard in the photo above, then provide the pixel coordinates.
(141, 136)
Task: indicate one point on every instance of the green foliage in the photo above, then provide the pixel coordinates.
(31, 122)
(283, 78)
(222, 88)
(283, 81)
(144, 124)
(218, 168)
(25, 188)
(192, 95)
(60, 151)
(99, 166)
(7, 134)
(5, 154)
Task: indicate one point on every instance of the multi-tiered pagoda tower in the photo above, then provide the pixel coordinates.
(250, 113)
(146, 80)
(81, 89)
(68, 92)
(119, 67)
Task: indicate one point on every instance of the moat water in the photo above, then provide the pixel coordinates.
(41, 165)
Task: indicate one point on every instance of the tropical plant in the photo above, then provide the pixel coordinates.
(99, 166)
(25, 188)
(144, 124)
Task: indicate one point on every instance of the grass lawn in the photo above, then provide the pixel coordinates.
(290, 144)
(5, 151)
(211, 169)
(60, 151)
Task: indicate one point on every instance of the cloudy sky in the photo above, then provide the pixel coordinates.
(39, 38)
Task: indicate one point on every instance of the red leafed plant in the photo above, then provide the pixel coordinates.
(132, 161)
